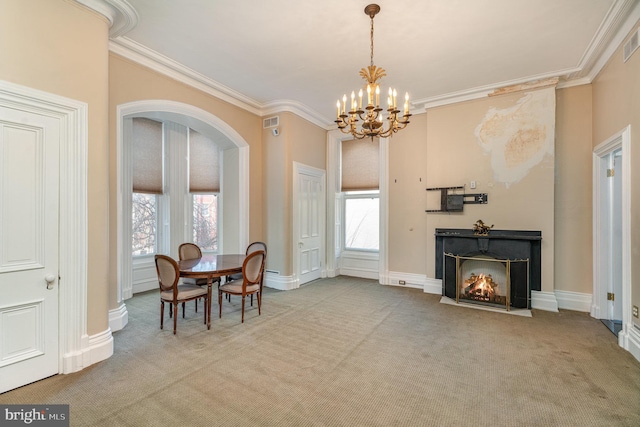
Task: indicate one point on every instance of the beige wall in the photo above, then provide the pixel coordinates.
(299, 141)
(130, 82)
(440, 149)
(573, 209)
(61, 48)
(408, 251)
(616, 104)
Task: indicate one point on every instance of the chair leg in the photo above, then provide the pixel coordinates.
(161, 314)
(242, 308)
(170, 310)
(206, 299)
(183, 304)
(220, 302)
(259, 296)
(251, 300)
(196, 301)
(175, 318)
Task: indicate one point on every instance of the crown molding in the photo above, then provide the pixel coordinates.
(613, 29)
(121, 15)
(142, 55)
(620, 20)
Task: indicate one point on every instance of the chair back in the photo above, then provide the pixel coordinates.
(189, 251)
(252, 268)
(168, 273)
(257, 246)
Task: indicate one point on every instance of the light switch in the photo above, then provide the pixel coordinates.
(473, 184)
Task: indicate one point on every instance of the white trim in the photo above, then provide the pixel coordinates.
(73, 117)
(157, 62)
(95, 348)
(121, 15)
(417, 281)
(433, 286)
(282, 283)
(576, 301)
(622, 140)
(383, 213)
(544, 301)
(629, 339)
(118, 318)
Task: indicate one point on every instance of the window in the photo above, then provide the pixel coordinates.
(360, 161)
(204, 186)
(362, 220)
(205, 221)
(147, 184)
(144, 220)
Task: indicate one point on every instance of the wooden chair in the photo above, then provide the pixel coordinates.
(174, 293)
(255, 246)
(249, 284)
(191, 251)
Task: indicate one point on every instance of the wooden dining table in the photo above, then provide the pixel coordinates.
(211, 267)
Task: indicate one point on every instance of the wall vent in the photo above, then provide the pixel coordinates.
(270, 122)
(631, 45)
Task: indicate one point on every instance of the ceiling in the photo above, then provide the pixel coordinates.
(301, 56)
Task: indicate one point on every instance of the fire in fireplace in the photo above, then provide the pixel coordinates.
(481, 288)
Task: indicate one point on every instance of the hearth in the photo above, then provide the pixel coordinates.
(498, 269)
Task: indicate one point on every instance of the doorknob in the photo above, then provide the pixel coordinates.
(50, 278)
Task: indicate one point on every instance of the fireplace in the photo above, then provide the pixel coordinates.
(498, 269)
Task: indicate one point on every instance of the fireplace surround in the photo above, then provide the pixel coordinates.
(499, 245)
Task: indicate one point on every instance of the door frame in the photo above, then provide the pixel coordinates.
(76, 349)
(302, 169)
(601, 266)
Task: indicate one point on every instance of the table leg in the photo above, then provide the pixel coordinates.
(209, 286)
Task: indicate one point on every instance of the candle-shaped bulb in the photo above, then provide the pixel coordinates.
(395, 99)
(360, 100)
(377, 95)
(338, 106)
(344, 103)
(353, 101)
(369, 101)
(406, 103)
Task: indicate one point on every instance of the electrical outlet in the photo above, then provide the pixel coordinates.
(635, 311)
(402, 282)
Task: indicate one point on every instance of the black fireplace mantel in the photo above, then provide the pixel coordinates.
(500, 244)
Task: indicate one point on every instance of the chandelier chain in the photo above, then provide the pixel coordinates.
(372, 41)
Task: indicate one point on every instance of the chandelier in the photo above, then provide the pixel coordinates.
(372, 116)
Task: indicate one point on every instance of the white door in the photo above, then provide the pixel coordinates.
(310, 207)
(29, 185)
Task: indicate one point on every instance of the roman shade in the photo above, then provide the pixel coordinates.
(204, 164)
(360, 165)
(147, 156)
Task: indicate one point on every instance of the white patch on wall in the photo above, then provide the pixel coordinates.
(518, 138)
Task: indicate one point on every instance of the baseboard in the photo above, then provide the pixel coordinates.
(358, 272)
(433, 286)
(405, 280)
(576, 301)
(629, 339)
(282, 283)
(95, 348)
(118, 318)
(544, 301)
